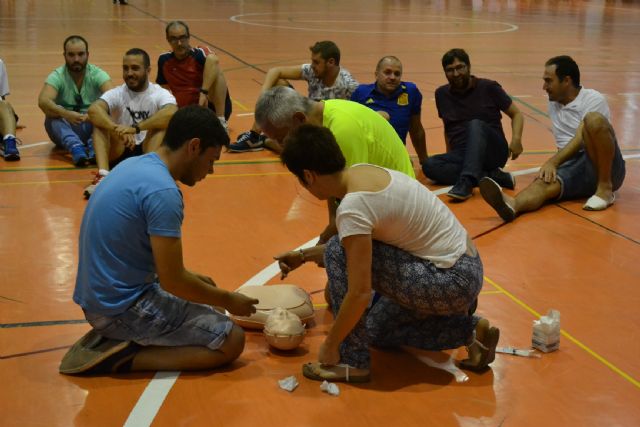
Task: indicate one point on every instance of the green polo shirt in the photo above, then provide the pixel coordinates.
(67, 97)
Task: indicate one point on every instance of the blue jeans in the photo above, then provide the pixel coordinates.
(162, 319)
(485, 149)
(66, 135)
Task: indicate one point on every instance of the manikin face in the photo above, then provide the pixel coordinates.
(555, 88)
(178, 38)
(458, 74)
(389, 76)
(201, 164)
(134, 73)
(76, 56)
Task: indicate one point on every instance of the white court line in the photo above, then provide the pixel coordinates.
(152, 398)
(158, 388)
(35, 144)
(149, 403)
(244, 114)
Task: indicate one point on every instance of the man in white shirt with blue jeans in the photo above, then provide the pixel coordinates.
(588, 162)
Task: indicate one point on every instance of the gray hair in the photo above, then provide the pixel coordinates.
(278, 105)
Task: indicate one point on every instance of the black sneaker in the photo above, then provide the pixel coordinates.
(248, 141)
(462, 190)
(504, 179)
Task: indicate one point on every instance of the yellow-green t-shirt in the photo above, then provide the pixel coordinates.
(364, 136)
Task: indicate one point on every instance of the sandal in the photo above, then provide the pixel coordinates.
(94, 353)
(483, 349)
(318, 372)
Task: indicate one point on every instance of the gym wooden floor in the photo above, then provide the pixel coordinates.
(583, 264)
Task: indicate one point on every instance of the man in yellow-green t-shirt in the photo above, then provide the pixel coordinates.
(363, 135)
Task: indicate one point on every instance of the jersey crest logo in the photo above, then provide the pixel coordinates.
(369, 101)
(403, 99)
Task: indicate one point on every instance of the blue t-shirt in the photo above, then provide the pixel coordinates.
(404, 102)
(138, 199)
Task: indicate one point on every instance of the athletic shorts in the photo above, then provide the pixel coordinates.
(578, 177)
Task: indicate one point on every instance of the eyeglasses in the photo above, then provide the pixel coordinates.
(79, 103)
(459, 68)
(178, 39)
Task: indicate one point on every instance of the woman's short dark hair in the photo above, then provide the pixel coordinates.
(194, 121)
(313, 148)
(565, 66)
(452, 54)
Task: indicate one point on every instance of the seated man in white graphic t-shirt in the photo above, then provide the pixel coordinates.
(130, 119)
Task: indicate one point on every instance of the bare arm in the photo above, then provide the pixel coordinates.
(159, 120)
(99, 115)
(418, 137)
(46, 102)
(331, 229)
(209, 76)
(548, 171)
(277, 73)
(175, 279)
(106, 86)
(358, 250)
(517, 124)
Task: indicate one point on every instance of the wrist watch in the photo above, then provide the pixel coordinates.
(205, 91)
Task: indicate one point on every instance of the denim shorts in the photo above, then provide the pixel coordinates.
(578, 177)
(162, 319)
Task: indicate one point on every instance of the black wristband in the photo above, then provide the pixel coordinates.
(136, 127)
(205, 91)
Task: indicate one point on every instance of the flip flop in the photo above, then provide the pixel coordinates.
(310, 370)
(486, 340)
(91, 350)
(492, 193)
(597, 203)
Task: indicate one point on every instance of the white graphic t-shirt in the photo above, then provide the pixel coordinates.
(128, 108)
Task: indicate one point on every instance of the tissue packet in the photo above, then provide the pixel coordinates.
(546, 332)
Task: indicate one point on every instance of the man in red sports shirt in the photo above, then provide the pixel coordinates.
(193, 74)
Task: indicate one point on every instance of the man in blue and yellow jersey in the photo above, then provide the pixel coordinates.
(398, 101)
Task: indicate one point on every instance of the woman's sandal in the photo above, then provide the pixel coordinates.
(318, 372)
(483, 349)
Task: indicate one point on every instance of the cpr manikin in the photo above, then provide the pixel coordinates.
(283, 330)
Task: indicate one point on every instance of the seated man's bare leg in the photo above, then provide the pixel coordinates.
(529, 199)
(7, 119)
(153, 140)
(108, 146)
(190, 358)
(218, 91)
(599, 142)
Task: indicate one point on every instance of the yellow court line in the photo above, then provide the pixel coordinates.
(570, 337)
(239, 104)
